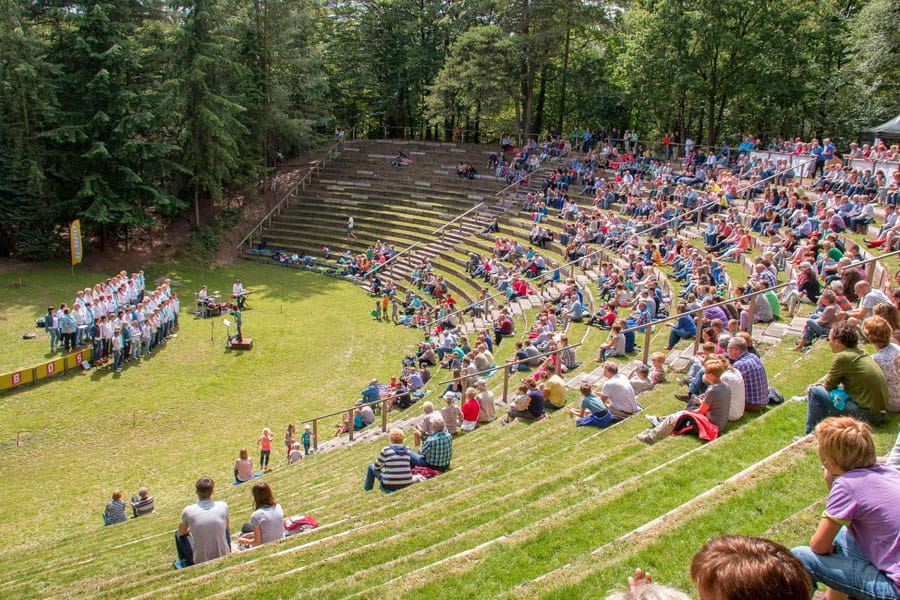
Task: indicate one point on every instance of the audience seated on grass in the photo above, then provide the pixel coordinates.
(243, 467)
(296, 454)
(706, 416)
(424, 428)
(592, 411)
(553, 388)
(614, 344)
(267, 521)
(471, 409)
(640, 379)
(437, 449)
(854, 551)
(887, 356)
(528, 404)
(820, 322)
(451, 414)
(115, 510)
(854, 385)
(891, 314)
(487, 410)
(732, 567)
(143, 503)
(617, 393)
(753, 373)
(393, 466)
(203, 533)
(735, 567)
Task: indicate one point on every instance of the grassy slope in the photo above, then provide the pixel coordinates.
(195, 404)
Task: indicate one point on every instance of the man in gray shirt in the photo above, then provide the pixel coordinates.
(207, 522)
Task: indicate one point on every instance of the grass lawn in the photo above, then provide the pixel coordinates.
(188, 409)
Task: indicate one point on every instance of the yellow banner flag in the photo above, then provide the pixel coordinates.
(75, 241)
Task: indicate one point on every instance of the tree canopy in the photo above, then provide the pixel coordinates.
(129, 113)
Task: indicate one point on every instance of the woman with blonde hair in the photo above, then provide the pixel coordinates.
(265, 447)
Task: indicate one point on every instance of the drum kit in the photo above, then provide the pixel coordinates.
(212, 305)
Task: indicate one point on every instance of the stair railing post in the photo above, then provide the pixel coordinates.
(505, 382)
(315, 436)
(647, 332)
(699, 335)
(750, 308)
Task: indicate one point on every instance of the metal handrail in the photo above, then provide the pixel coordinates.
(291, 192)
(491, 297)
(509, 364)
(414, 244)
(646, 328)
(703, 206)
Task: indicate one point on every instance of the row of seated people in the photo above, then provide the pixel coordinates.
(852, 552)
(714, 366)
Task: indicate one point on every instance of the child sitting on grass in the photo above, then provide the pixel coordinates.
(855, 550)
(614, 344)
(658, 368)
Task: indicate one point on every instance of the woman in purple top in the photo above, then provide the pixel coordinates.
(716, 312)
(855, 550)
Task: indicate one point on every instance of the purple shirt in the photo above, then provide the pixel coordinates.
(867, 502)
(715, 312)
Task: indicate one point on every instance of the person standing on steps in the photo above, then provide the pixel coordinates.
(265, 448)
(350, 225)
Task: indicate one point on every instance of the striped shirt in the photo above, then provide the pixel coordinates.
(395, 465)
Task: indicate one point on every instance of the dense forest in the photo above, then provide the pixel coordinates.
(129, 113)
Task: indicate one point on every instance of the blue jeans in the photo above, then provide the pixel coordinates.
(678, 334)
(848, 570)
(819, 407)
(371, 476)
(812, 330)
(697, 386)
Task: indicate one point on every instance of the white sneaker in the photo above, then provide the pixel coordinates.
(798, 399)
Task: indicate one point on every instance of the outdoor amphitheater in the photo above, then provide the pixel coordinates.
(532, 509)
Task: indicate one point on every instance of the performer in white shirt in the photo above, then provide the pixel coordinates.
(239, 293)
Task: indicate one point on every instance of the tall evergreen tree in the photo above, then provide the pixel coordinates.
(204, 87)
(27, 110)
(113, 156)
